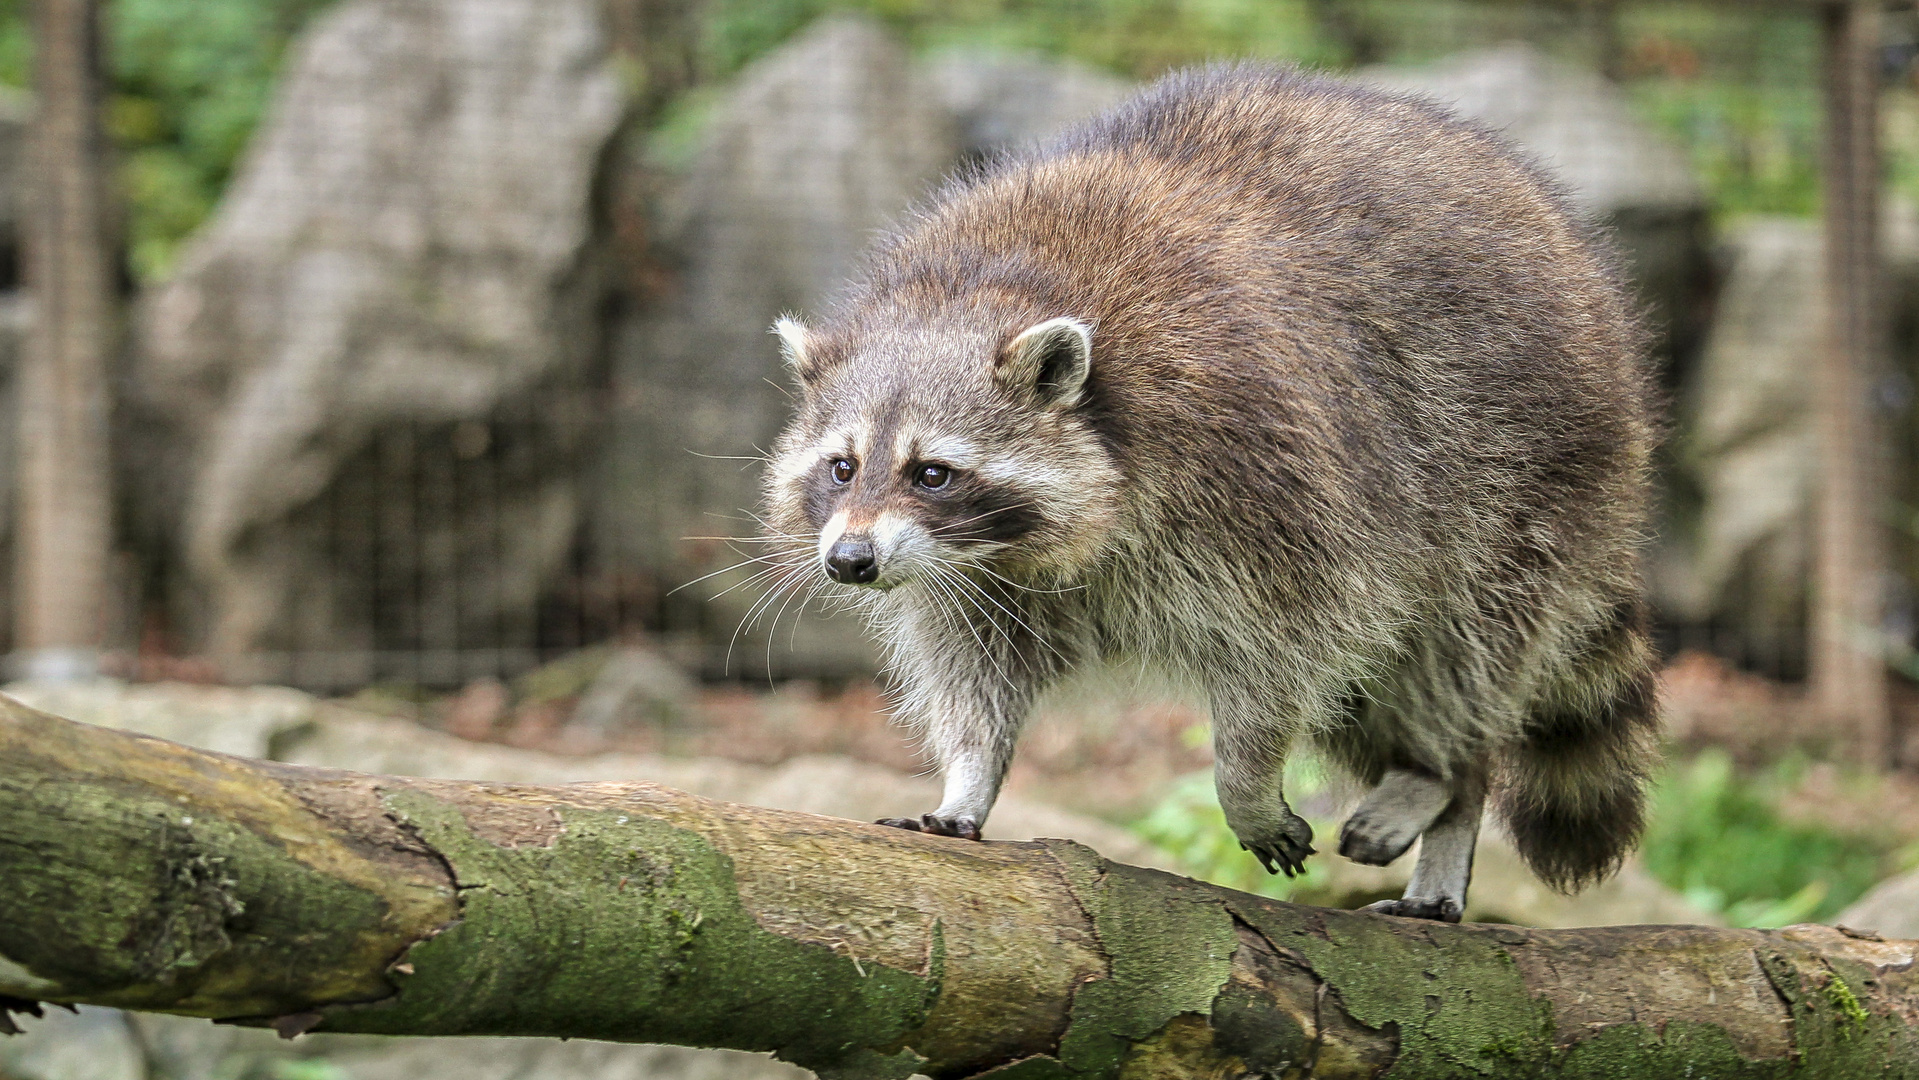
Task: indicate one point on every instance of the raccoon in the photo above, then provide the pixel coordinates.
(1314, 397)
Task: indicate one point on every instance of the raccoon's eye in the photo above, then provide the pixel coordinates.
(933, 477)
(842, 470)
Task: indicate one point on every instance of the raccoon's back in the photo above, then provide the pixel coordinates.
(1379, 318)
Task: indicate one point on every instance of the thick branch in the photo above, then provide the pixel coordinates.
(147, 875)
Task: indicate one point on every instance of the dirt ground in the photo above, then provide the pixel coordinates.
(1110, 759)
(1115, 756)
(1107, 755)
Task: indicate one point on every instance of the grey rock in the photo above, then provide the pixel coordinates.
(1748, 443)
(185, 1049)
(1001, 100)
(244, 721)
(1574, 121)
(95, 1044)
(105, 1044)
(811, 150)
(635, 686)
(374, 1058)
(404, 261)
(1749, 446)
(1890, 909)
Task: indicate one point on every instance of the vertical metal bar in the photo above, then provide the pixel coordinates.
(1848, 667)
(63, 537)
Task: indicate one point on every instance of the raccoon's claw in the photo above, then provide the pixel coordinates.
(1282, 855)
(963, 827)
(1281, 844)
(1436, 908)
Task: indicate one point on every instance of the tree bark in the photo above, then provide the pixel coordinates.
(146, 875)
(65, 480)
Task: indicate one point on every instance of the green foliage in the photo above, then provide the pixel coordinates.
(1189, 825)
(1754, 148)
(305, 1069)
(1846, 1003)
(190, 83)
(1716, 836)
(737, 31)
(1141, 38)
(1737, 88)
(1740, 93)
(16, 43)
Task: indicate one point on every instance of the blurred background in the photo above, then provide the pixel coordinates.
(383, 379)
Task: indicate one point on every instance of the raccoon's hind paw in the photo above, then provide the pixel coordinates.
(1385, 824)
(1436, 908)
(963, 827)
(1284, 851)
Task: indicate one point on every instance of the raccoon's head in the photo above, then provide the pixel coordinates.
(927, 444)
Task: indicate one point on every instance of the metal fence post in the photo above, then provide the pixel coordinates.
(1848, 667)
(64, 531)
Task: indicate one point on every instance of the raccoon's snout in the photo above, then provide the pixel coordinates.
(853, 562)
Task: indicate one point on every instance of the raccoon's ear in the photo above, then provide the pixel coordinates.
(796, 346)
(1049, 361)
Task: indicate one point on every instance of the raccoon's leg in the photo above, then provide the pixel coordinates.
(972, 737)
(1389, 819)
(969, 689)
(1445, 866)
(1249, 760)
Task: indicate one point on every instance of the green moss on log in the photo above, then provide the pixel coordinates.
(149, 875)
(126, 888)
(1456, 1000)
(620, 916)
(1171, 944)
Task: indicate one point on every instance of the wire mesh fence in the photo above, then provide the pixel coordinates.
(755, 148)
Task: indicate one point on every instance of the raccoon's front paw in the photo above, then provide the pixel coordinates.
(1283, 846)
(963, 827)
(1436, 908)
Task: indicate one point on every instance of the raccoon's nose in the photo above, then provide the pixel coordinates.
(852, 562)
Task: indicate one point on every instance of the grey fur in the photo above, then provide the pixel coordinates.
(1394, 815)
(1360, 454)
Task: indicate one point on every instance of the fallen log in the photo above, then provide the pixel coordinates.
(143, 874)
